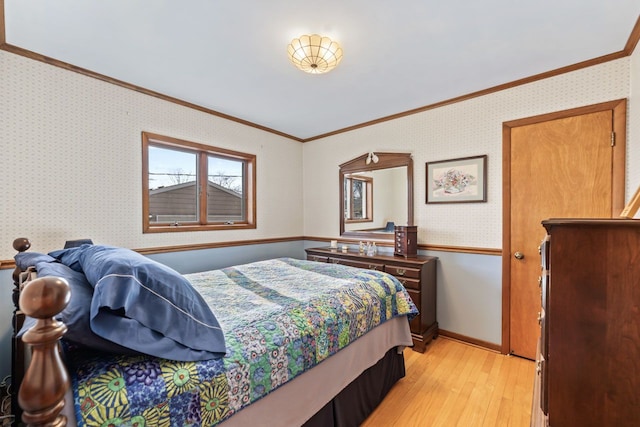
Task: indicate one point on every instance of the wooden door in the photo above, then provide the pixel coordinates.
(559, 167)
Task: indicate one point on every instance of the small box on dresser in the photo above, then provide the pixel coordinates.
(406, 240)
(417, 274)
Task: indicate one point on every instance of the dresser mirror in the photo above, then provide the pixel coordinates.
(376, 193)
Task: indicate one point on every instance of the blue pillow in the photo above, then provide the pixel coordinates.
(76, 314)
(70, 257)
(25, 260)
(146, 306)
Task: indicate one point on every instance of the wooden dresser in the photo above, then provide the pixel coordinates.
(589, 350)
(417, 274)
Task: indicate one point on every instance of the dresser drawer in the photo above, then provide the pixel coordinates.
(409, 283)
(359, 264)
(317, 258)
(397, 271)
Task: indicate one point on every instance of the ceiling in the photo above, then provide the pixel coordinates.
(230, 56)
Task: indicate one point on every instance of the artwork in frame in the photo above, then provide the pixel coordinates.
(632, 207)
(461, 180)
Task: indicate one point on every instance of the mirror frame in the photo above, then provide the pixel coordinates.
(385, 161)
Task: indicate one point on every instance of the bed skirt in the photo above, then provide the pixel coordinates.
(359, 399)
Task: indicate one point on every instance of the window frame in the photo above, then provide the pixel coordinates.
(367, 183)
(202, 152)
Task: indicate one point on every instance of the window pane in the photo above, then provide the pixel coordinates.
(189, 186)
(173, 190)
(225, 190)
(357, 198)
(347, 198)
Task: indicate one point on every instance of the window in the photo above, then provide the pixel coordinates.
(358, 198)
(189, 186)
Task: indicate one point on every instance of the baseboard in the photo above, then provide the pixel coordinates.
(472, 341)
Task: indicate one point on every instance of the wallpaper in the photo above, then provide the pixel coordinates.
(633, 125)
(71, 168)
(469, 128)
(72, 152)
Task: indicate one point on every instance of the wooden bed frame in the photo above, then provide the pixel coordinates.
(42, 387)
(45, 382)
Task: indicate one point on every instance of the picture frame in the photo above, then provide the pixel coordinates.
(630, 210)
(462, 180)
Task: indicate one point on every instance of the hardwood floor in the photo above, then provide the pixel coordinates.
(456, 384)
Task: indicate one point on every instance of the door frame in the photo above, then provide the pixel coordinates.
(619, 109)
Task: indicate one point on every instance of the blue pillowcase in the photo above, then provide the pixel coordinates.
(144, 305)
(70, 257)
(76, 314)
(25, 260)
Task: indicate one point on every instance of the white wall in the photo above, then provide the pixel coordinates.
(390, 201)
(71, 148)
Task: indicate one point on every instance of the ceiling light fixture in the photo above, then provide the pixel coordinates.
(314, 54)
(372, 158)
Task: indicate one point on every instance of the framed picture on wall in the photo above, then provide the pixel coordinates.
(630, 210)
(462, 180)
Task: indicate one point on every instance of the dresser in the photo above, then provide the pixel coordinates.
(588, 362)
(417, 274)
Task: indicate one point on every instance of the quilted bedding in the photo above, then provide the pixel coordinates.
(280, 317)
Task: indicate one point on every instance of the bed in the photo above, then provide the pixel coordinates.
(286, 342)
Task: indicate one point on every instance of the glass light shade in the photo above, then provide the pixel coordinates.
(314, 54)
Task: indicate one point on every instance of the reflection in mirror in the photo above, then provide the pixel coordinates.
(358, 197)
(376, 196)
(388, 188)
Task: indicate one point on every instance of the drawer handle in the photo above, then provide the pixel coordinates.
(373, 267)
(335, 261)
(404, 283)
(401, 271)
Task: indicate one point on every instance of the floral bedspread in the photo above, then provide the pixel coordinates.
(281, 317)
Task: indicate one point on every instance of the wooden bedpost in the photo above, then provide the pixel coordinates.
(20, 244)
(46, 381)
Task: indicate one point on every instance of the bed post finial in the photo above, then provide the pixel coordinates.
(46, 381)
(21, 244)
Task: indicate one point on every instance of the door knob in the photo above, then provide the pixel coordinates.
(518, 255)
